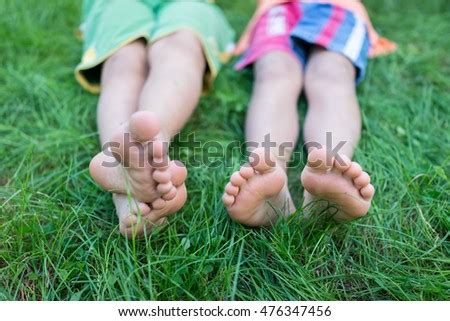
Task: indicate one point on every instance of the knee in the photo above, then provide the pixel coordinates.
(131, 58)
(182, 47)
(328, 76)
(278, 68)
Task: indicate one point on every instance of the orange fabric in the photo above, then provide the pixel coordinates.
(379, 45)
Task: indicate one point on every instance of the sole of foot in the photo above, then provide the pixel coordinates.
(136, 158)
(339, 182)
(257, 194)
(138, 218)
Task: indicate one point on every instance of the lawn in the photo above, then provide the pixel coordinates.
(58, 230)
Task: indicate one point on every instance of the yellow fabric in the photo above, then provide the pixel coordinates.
(379, 45)
(108, 25)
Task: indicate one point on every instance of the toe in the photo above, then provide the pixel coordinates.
(319, 160)
(107, 173)
(129, 221)
(144, 126)
(132, 231)
(162, 176)
(342, 163)
(262, 160)
(159, 204)
(171, 194)
(179, 172)
(228, 199)
(237, 180)
(158, 154)
(231, 189)
(128, 208)
(95, 165)
(247, 171)
(116, 144)
(131, 215)
(126, 149)
(164, 188)
(354, 171)
(362, 180)
(161, 207)
(367, 192)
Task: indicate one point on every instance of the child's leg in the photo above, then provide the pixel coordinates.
(332, 103)
(175, 84)
(273, 106)
(171, 93)
(168, 98)
(255, 193)
(166, 101)
(333, 108)
(123, 77)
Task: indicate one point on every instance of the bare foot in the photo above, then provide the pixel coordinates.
(257, 193)
(137, 218)
(343, 184)
(141, 155)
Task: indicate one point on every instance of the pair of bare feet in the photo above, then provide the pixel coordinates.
(257, 194)
(147, 187)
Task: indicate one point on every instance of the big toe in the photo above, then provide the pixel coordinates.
(96, 168)
(262, 160)
(144, 126)
(319, 160)
(105, 171)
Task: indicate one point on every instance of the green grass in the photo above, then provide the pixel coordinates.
(58, 231)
